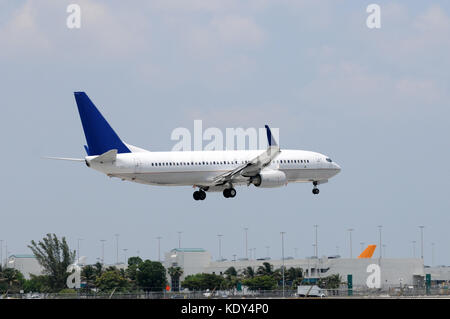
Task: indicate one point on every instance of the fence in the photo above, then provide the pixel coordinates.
(330, 293)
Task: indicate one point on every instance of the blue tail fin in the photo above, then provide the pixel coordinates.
(100, 137)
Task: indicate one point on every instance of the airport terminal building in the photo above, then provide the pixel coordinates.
(394, 272)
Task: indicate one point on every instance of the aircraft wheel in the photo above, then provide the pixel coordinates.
(315, 191)
(196, 195)
(226, 193)
(232, 192)
(202, 195)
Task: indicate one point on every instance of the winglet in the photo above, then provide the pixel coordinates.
(270, 138)
(368, 252)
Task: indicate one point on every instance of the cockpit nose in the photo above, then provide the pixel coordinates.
(333, 164)
(336, 166)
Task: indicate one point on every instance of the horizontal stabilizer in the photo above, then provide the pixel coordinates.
(368, 252)
(65, 159)
(109, 156)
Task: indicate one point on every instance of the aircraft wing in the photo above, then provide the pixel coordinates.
(253, 167)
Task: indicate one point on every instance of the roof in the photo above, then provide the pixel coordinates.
(23, 256)
(189, 250)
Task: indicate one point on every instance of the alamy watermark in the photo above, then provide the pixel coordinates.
(373, 21)
(73, 21)
(374, 279)
(214, 139)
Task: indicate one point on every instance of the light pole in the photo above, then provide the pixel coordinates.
(267, 249)
(384, 250)
(282, 256)
(6, 250)
(254, 253)
(432, 254)
(79, 239)
(350, 232)
(159, 247)
(220, 246)
(125, 253)
(117, 248)
(246, 242)
(179, 239)
(103, 250)
(379, 230)
(317, 248)
(421, 241)
(1, 252)
(414, 248)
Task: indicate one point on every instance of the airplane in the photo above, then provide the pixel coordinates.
(207, 171)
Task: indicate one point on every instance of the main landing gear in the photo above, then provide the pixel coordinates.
(315, 190)
(229, 192)
(199, 195)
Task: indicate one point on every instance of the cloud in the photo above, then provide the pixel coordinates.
(39, 27)
(22, 33)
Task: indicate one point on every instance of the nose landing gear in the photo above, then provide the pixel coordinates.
(315, 190)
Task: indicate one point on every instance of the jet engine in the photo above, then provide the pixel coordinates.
(269, 178)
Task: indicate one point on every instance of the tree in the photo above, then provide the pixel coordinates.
(151, 276)
(37, 284)
(110, 280)
(133, 265)
(260, 283)
(294, 276)
(231, 272)
(98, 267)
(54, 256)
(203, 282)
(330, 282)
(12, 280)
(175, 273)
(89, 275)
(249, 272)
(265, 270)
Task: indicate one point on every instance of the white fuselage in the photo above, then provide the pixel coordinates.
(199, 168)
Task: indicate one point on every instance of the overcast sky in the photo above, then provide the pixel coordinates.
(375, 100)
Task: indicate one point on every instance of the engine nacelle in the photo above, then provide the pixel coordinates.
(270, 178)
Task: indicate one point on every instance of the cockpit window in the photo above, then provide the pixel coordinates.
(329, 159)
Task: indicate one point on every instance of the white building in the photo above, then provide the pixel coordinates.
(393, 271)
(26, 264)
